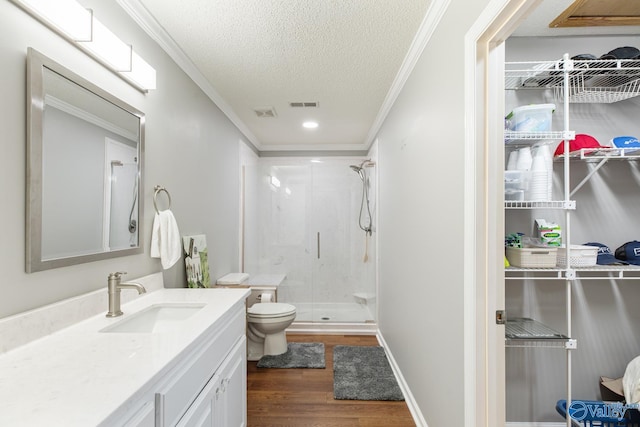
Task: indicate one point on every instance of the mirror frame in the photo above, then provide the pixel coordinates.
(37, 63)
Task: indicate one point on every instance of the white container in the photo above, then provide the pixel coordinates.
(516, 180)
(581, 256)
(525, 159)
(532, 257)
(514, 195)
(512, 164)
(531, 118)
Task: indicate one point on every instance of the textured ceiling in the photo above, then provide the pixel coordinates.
(342, 54)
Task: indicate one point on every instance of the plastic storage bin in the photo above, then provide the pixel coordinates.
(593, 413)
(516, 180)
(515, 185)
(513, 195)
(532, 257)
(581, 256)
(531, 118)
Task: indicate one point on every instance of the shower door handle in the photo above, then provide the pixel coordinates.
(318, 243)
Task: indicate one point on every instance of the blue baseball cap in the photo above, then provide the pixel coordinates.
(625, 142)
(605, 256)
(629, 252)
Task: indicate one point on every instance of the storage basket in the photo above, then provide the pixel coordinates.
(581, 256)
(593, 413)
(536, 257)
(531, 118)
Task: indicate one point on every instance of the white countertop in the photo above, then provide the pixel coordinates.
(79, 376)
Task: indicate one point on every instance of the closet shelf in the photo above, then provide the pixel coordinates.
(514, 138)
(526, 332)
(598, 272)
(602, 153)
(589, 81)
(560, 204)
(601, 156)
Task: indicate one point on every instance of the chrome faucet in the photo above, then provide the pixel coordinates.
(114, 287)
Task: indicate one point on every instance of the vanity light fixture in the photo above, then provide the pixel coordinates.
(310, 125)
(78, 25)
(141, 74)
(65, 16)
(108, 47)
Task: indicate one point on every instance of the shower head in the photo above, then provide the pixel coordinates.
(359, 171)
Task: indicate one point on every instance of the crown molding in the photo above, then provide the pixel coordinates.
(431, 20)
(148, 23)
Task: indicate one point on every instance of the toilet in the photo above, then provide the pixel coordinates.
(267, 319)
(266, 323)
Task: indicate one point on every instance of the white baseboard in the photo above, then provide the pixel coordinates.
(418, 418)
(333, 328)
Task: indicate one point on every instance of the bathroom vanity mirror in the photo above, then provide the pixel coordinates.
(84, 169)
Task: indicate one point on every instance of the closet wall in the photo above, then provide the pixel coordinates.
(605, 316)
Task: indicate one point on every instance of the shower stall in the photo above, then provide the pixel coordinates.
(120, 229)
(313, 220)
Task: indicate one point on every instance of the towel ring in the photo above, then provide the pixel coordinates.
(158, 189)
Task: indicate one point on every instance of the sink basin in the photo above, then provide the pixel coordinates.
(156, 318)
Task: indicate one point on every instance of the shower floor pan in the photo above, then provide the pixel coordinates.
(332, 312)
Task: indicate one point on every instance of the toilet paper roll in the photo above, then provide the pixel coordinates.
(266, 297)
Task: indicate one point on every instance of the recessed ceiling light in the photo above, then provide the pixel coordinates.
(310, 125)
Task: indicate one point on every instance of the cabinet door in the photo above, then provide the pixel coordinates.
(223, 401)
(231, 402)
(201, 413)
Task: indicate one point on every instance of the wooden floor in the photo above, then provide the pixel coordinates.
(304, 397)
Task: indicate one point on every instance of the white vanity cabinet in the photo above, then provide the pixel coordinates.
(191, 371)
(185, 384)
(222, 402)
(205, 387)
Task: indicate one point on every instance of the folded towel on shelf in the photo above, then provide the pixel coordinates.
(631, 381)
(165, 239)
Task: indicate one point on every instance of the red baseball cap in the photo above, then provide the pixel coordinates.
(582, 141)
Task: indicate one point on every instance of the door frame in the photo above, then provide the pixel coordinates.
(484, 362)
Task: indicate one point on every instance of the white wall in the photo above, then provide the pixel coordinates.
(421, 222)
(191, 149)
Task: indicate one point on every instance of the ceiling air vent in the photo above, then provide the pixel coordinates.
(304, 104)
(265, 111)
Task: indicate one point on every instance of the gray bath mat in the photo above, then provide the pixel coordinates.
(298, 355)
(363, 373)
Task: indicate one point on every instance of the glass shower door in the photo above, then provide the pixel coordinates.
(308, 230)
(335, 268)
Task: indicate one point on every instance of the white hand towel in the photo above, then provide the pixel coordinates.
(165, 239)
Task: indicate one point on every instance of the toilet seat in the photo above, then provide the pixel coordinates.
(271, 310)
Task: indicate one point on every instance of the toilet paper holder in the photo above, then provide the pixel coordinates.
(256, 295)
(265, 297)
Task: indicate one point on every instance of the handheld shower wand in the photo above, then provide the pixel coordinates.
(365, 195)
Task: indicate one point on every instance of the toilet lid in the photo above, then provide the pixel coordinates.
(271, 309)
